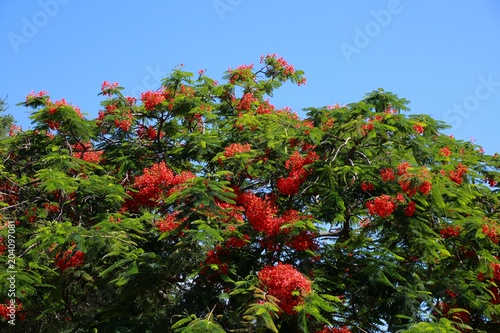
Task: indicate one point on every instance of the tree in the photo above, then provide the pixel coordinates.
(201, 207)
(7, 121)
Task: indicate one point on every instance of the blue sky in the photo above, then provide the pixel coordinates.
(440, 55)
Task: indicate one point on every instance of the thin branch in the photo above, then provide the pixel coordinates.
(344, 144)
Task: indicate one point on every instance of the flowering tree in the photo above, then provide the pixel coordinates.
(201, 207)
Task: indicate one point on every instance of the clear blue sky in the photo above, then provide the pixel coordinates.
(441, 55)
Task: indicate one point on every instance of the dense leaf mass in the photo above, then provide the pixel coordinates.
(202, 207)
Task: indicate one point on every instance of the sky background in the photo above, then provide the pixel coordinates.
(443, 56)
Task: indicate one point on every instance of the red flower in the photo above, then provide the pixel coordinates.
(53, 125)
(298, 174)
(285, 283)
(403, 168)
(457, 174)
(69, 259)
(387, 175)
(365, 187)
(288, 185)
(265, 108)
(451, 231)
(3, 247)
(419, 128)
(382, 206)
(154, 182)
(54, 208)
(236, 242)
(425, 187)
(491, 232)
(240, 74)
(125, 122)
(169, 223)
(246, 102)
(343, 329)
(150, 99)
(410, 209)
(236, 148)
(261, 214)
(86, 153)
(14, 129)
(107, 88)
(147, 132)
(215, 264)
(367, 128)
(445, 152)
(303, 241)
(11, 307)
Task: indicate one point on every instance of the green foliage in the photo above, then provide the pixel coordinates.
(201, 207)
(6, 121)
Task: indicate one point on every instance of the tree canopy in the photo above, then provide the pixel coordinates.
(6, 121)
(202, 207)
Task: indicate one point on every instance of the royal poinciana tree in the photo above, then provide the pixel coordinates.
(201, 207)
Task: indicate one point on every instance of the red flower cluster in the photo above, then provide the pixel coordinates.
(281, 64)
(387, 175)
(419, 128)
(403, 168)
(169, 223)
(461, 317)
(490, 230)
(69, 259)
(51, 208)
(365, 187)
(262, 216)
(126, 121)
(450, 231)
(343, 329)
(237, 242)
(457, 175)
(382, 206)
(11, 308)
(412, 182)
(236, 148)
(53, 107)
(495, 289)
(8, 192)
(230, 214)
(411, 208)
(261, 213)
(265, 108)
(425, 187)
(285, 283)
(86, 153)
(3, 247)
(241, 74)
(445, 152)
(327, 124)
(491, 181)
(245, 102)
(303, 241)
(367, 127)
(33, 94)
(14, 129)
(150, 99)
(53, 125)
(298, 174)
(107, 88)
(156, 181)
(147, 132)
(215, 261)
